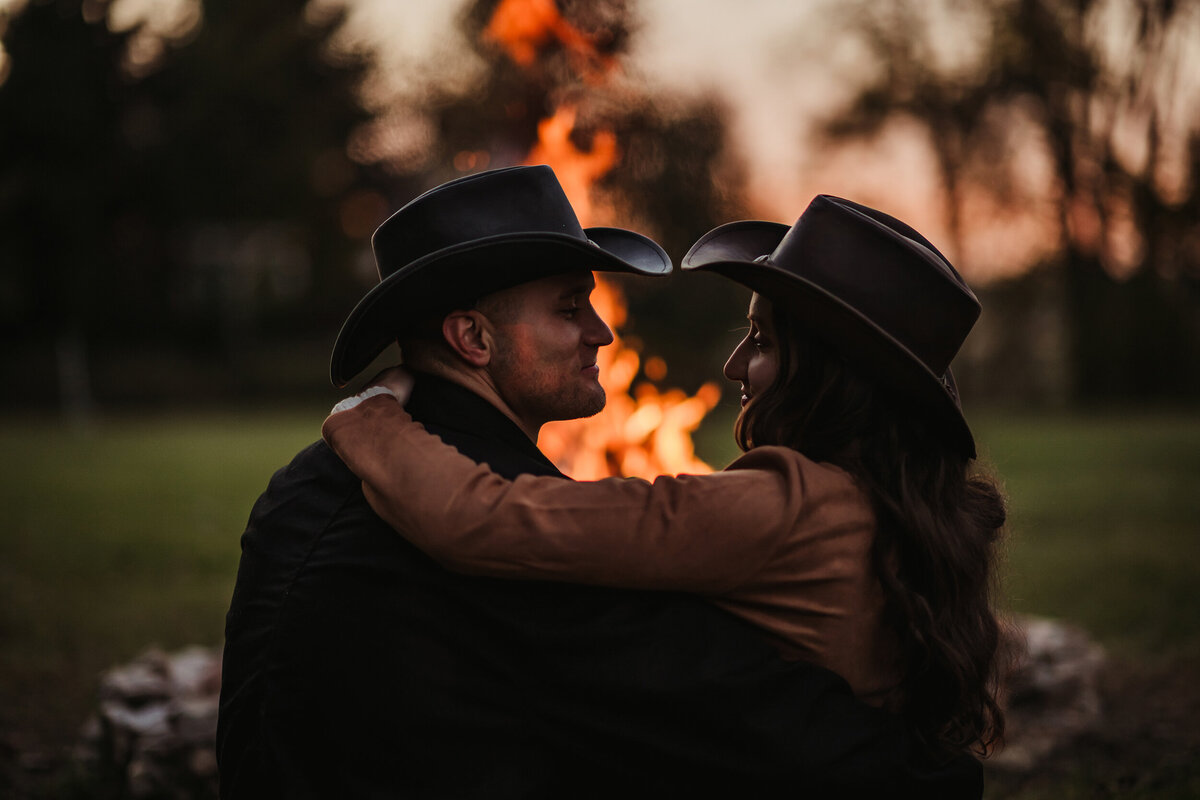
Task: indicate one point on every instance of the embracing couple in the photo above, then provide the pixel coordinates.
(426, 607)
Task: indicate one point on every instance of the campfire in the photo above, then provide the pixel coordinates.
(524, 27)
(643, 431)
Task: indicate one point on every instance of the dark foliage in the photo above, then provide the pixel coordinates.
(1042, 69)
(196, 205)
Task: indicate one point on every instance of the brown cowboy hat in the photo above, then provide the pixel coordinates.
(471, 237)
(869, 285)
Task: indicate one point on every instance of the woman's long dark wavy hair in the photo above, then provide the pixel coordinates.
(938, 527)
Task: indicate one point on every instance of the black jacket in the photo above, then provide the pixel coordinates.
(356, 667)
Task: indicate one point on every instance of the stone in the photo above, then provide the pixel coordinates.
(1051, 694)
(154, 733)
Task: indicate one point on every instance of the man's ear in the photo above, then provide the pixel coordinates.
(469, 337)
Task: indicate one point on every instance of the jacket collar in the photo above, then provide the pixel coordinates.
(476, 427)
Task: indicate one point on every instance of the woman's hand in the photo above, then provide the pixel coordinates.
(396, 380)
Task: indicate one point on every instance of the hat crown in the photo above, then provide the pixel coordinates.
(516, 200)
(471, 237)
(885, 271)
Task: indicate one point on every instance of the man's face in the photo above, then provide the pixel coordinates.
(547, 337)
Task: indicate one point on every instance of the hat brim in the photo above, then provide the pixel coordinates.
(732, 251)
(466, 272)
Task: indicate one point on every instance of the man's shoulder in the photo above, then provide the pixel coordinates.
(304, 495)
(314, 468)
(317, 461)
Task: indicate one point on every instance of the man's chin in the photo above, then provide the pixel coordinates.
(585, 405)
(593, 407)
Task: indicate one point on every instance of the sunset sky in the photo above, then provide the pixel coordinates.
(777, 64)
(780, 65)
(774, 62)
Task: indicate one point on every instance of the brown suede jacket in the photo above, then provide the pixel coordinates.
(777, 539)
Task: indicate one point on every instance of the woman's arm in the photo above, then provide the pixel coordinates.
(699, 533)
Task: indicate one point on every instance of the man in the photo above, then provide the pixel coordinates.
(356, 667)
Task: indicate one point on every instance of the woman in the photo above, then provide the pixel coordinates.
(852, 531)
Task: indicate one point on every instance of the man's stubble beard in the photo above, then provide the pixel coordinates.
(539, 397)
(592, 405)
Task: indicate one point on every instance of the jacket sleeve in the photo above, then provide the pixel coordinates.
(698, 533)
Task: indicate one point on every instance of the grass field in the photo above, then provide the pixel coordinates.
(127, 535)
(1105, 524)
(116, 539)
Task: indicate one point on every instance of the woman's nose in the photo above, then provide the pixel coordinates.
(735, 365)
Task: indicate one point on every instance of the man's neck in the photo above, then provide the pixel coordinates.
(479, 382)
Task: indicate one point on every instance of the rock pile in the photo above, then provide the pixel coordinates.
(154, 731)
(1052, 693)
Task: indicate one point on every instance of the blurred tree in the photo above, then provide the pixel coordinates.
(186, 188)
(57, 197)
(1098, 91)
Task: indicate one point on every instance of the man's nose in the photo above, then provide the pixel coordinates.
(597, 332)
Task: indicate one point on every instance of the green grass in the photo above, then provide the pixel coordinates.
(118, 538)
(127, 536)
(1104, 523)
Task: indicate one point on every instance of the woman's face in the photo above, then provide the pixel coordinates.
(754, 363)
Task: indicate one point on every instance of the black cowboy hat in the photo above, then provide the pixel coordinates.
(471, 237)
(866, 283)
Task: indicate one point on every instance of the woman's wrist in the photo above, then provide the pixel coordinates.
(370, 391)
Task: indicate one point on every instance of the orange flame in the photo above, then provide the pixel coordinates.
(524, 27)
(577, 170)
(641, 431)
